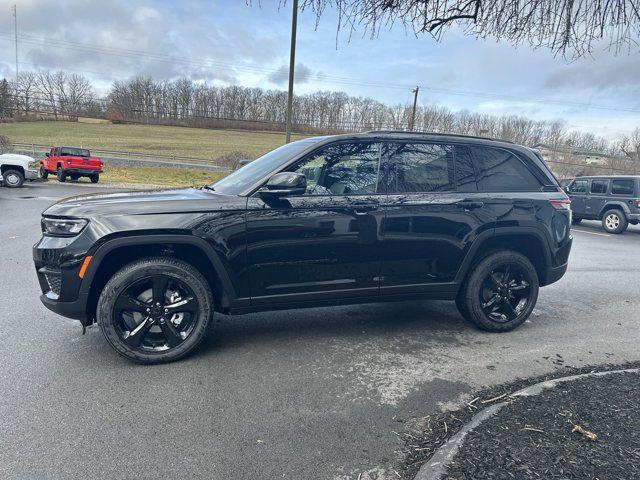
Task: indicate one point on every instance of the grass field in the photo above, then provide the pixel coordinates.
(154, 176)
(180, 141)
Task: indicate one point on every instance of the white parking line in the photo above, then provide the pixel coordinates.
(592, 233)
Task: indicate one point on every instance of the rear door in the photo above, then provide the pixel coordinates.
(577, 191)
(597, 198)
(434, 212)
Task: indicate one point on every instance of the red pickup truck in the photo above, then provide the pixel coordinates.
(71, 162)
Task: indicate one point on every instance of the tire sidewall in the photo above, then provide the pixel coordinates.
(622, 226)
(139, 270)
(17, 175)
(471, 296)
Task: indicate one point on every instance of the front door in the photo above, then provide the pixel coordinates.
(578, 194)
(324, 244)
(432, 218)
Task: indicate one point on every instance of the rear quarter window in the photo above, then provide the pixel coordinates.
(500, 170)
(622, 186)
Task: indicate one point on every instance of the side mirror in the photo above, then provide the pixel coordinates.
(284, 184)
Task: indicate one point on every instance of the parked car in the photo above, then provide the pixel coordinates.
(15, 169)
(71, 162)
(614, 200)
(372, 217)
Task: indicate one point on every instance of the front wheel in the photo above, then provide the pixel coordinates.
(614, 221)
(155, 310)
(500, 293)
(13, 178)
(44, 173)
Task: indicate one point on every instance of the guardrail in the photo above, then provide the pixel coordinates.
(115, 157)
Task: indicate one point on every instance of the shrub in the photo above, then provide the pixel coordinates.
(5, 145)
(231, 160)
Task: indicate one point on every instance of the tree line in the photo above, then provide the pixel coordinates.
(61, 95)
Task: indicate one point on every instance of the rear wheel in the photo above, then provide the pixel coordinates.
(62, 175)
(44, 173)
(500, 293)
(75, 177)
(13, 178)
(614, 221)
(155, 310)
(94, 177)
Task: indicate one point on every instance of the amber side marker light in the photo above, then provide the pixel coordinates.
(84, 266)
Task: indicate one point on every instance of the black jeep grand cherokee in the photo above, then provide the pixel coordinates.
(361, 218)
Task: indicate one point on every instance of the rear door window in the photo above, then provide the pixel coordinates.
(420, 167)
(502, 171)
(622, 186)
(578, 186)
(599, 187)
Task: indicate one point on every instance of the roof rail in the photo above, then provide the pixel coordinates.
(440, 135)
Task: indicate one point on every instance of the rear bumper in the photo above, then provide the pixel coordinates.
(554, 274)
(81, 171)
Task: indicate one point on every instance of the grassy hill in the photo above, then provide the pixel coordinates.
(180, 141)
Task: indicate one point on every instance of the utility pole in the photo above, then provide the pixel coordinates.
(15, 28)
(292, 62)
(412, 120)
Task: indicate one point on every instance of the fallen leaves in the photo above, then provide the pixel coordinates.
(590, 435)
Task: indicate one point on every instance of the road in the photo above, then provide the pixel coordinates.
(313, 394)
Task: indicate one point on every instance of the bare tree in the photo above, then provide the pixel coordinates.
(568, 27)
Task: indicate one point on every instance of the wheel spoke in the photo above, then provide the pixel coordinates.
(506, 275)
(171, 334)
(491, 301)
(135, 336)
(521, 286)
(188, 304)
(508, 309)
(159, 289)
(130, 304)
(495, 279)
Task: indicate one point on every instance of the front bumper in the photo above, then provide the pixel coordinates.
(31, 175)
(633, 217)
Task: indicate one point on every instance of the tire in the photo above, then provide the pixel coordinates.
(576, 220)
(62, 175)
(155, 331)
(94, 178)
(44, 173)
(74, 177)
(614, 221)
(483, 302)
(13, 178)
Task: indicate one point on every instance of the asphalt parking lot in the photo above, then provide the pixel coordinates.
(314, 394)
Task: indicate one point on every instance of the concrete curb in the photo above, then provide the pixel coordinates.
(436, 467)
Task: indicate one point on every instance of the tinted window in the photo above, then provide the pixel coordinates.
(500, 170)
(465, 171)
(599, 186)
(420, 167)
(622, 187)
(74, 152)
(342, 169)
(579, 186)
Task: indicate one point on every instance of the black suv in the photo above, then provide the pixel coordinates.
(379, 216)
(615, 200)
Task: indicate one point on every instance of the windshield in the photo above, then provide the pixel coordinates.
(240, 180)
(74, 152)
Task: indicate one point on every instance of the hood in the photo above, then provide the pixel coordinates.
(147, 202)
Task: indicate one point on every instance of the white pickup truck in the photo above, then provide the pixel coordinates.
(15, 169)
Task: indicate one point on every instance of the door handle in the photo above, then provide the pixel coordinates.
(469, 204)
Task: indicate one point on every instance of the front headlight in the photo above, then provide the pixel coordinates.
(62, 227)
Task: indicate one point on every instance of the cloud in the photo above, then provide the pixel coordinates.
(303, 75)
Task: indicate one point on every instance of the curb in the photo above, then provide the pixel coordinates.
(436, 466)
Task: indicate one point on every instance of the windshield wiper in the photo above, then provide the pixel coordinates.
(207, 187)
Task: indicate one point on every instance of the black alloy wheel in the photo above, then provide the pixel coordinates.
(500, 292)
(155, 310)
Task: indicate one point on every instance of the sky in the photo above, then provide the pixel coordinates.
(224, 42)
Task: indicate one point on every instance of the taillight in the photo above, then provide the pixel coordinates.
(638, 203)
(561, 204)
(68, 162)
